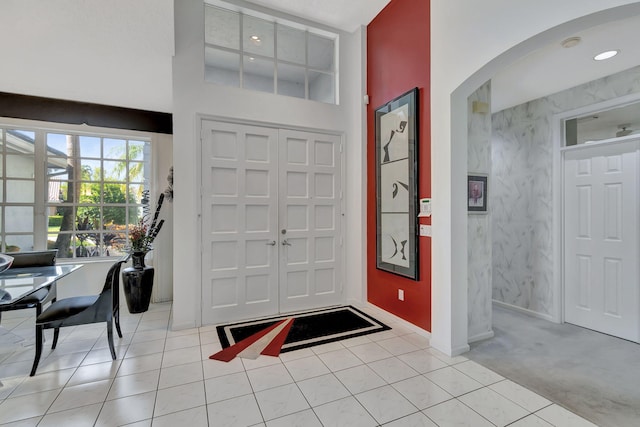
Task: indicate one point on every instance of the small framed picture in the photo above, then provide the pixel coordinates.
(477, 193)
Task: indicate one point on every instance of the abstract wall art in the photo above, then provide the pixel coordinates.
(396, 185)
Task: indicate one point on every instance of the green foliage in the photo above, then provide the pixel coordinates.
(55, 221)
(113, 193)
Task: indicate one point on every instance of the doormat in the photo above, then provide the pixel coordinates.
(277, 335)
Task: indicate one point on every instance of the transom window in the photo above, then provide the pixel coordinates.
(260, 54)
(90, 188)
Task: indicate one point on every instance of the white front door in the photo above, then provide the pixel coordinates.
(270, 221)
(310, 218)
(239, 221)
(601, 238)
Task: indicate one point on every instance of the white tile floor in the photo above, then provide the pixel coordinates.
(165, 378)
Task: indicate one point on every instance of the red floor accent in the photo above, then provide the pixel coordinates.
(229, 353)
(273, 349)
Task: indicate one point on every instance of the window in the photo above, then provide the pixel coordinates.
(263, 55)
(90, 189)
(603, 124)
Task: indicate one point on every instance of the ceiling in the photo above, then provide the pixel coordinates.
(345, 15)
(553, 68)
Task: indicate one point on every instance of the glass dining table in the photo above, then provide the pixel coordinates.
(16, 283)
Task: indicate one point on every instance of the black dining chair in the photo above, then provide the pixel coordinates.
(38, 298)
(83, 310)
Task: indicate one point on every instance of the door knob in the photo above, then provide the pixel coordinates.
(285, 243)
(271, 243)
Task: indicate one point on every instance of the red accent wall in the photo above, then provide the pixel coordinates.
(398, 57)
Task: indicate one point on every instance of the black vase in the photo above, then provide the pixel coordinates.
(137, 282)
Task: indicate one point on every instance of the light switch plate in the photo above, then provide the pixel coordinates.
(425, 230)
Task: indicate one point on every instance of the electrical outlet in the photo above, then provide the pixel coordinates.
(401, 294)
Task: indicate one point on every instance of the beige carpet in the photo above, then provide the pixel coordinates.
(592, 374)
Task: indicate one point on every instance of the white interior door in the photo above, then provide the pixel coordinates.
(601, 238)
(239, 222)
(271, 215)
(310, 219)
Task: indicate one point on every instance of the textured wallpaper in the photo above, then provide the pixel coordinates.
(521, 190)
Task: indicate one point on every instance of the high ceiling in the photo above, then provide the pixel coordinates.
(346, 15)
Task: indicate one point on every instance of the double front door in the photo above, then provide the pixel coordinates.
(271, 221)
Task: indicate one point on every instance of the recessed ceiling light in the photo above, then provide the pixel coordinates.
(570, 42)
(255, 40)
(606, 55)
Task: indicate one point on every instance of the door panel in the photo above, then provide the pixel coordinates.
(239, 222)
(601, 237)
(310, 209)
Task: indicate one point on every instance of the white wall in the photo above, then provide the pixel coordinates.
(470, 41)
(193, 97)
(115, 52)
(479, 224)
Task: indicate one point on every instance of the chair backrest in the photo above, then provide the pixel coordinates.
(34, 258)
(112, 281)
(109, 296)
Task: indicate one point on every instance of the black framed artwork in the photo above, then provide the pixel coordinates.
(477, 194)
(396, 185)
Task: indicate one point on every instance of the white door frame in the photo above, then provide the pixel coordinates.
(200, 118)
(558, 315)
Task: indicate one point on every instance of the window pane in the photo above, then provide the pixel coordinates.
(258, 74)
(321, 87)
(20, 166)
(137, 172)
(56, 166)
(20, 242)
(89, 192)
(115, 148)
(20, 191)
(222, 27)
(135, 214)
(321, 53)
(114, 215)
(56, 144)
(1, 163)
(221, 67)
(54, 191)
(25, 134)
(137, 150)
(66, 191)
(291, 81)
(135, 193)
(257, 36)
(91, 170)
(18, 219)
(89, 147)
(291, 45)
(115, 171)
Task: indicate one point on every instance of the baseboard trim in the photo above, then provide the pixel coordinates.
(451, 351)
(524, 310)
(382, 313)
(481, 336)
